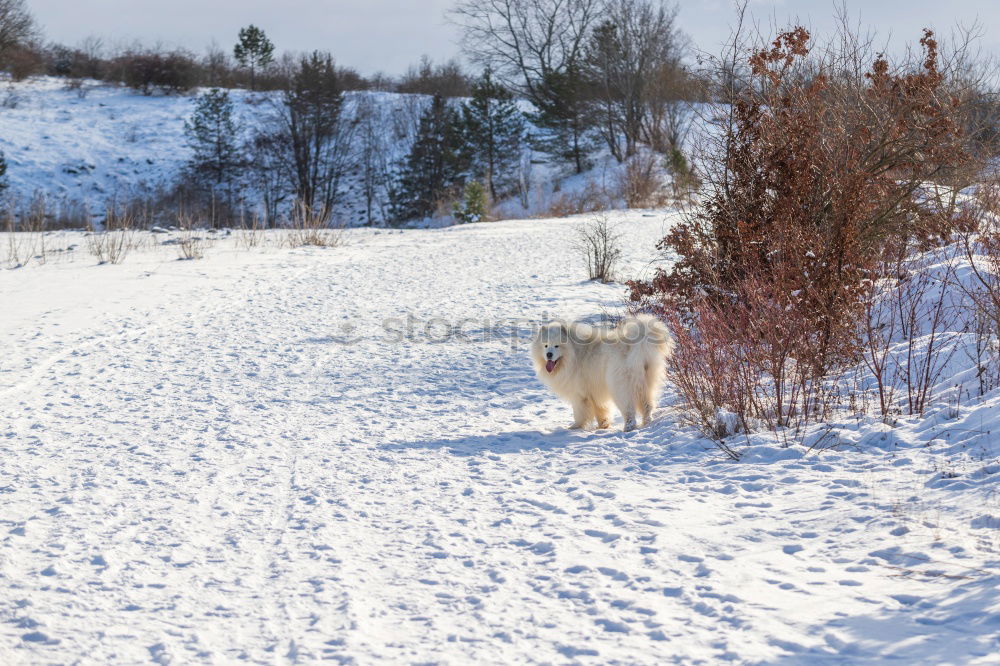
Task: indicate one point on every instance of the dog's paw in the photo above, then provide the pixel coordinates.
(629, 426)
(604, 425)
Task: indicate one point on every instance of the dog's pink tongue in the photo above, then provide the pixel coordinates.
(549, 366)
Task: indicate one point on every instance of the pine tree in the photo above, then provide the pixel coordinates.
(474, 204)
(493, 132)
(3, 173)
(563, 115)
(254, 50)
(212, 133)
(434, 165)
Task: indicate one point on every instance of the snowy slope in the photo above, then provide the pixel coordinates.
(284, 456)
(108, 143)
(112, 143)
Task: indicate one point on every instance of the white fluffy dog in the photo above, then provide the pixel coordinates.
(590, 367)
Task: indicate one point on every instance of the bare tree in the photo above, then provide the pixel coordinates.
(634, 60)
(267, 160)
(319, 133)
(600, 244)
(17, 26)
(525, 41)
(446, 79)
(373, 160)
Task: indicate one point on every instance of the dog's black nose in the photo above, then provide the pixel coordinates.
(548, 355)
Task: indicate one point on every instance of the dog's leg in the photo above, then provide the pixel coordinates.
(649, 391)
(603, 417)
(581, 414)
(642, 402)
(645, 405)
(626, 405)
(630, 423)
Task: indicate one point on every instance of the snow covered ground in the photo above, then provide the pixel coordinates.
(283, 456)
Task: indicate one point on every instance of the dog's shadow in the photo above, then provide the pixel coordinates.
(507, 442)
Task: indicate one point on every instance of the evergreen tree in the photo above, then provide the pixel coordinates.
(253, 50)
(434, 165)
(493, 129)
(474, 204)
(3, 174)
(212, 133)
(562, 114)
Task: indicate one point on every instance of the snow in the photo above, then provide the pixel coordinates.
(110, 142)
(286, 455)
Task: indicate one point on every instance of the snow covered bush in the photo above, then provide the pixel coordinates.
(981, 285)
(592, 197)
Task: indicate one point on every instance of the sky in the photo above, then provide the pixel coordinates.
(390, 35)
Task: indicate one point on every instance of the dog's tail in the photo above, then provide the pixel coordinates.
(650, 346)
(647, 335)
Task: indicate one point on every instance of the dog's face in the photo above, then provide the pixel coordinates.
(551, 349)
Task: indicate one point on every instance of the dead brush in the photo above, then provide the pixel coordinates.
(600, 245)
(112, 243)
(755, 361)
(250, 234)
(25, 233)
(312, 227)
(641, 182)
(19, 246)
(592, 198)
(980, 244)
(816, 179)
(190, 243)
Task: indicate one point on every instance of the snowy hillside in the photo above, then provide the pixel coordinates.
(283, 456)
(112, 141)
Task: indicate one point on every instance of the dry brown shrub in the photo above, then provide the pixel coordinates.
(112, 243)
(312, 227)
(824, 172)
(592, 198)
(641, 182)
(190, 241)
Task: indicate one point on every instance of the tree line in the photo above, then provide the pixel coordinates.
(165, 70)
(311, 139)
(596, 75)
(597, 71)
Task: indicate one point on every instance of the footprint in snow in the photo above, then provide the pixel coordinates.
(606, 537)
